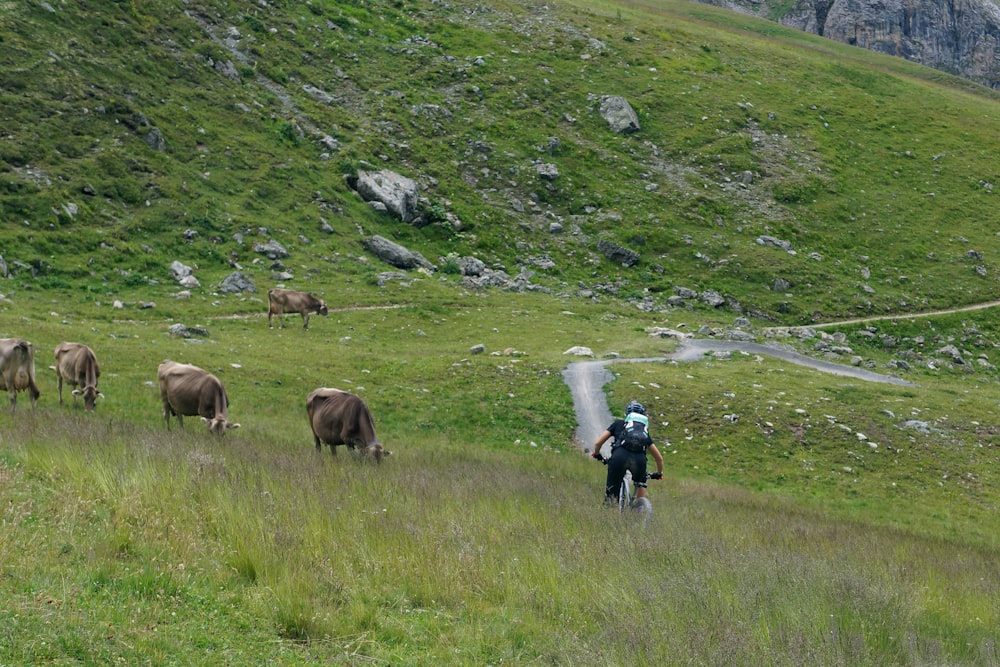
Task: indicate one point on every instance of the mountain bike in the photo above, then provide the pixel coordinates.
(627, 500)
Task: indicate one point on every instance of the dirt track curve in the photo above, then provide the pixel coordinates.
(586, 379)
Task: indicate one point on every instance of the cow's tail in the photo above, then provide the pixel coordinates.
(25, 363)
(371, 424)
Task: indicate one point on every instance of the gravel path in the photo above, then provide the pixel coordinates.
(586, 379)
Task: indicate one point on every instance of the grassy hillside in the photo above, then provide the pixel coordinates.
(879, 180)
(832, 522)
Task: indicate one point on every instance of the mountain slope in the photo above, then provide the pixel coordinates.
(796, 185)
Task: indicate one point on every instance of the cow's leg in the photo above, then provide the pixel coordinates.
(305, 320)
(270, 314)
(13, 399)
(318, 443)
(59, 375)
(33, 393)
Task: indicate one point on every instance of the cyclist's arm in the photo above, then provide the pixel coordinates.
(657, 456)
(601, 439)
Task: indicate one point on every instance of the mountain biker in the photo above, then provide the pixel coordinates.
(628, 452)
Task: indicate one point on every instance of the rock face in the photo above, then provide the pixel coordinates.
(960, 36)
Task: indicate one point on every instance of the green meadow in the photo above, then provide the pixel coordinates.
(805, 518)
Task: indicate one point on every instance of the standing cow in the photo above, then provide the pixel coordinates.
(17, 369)
(189, 390)
(76, 364)
(282, 301)
(342, 418)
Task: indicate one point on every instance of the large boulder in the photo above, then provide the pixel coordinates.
(619, 114)
(397, 193)
(395, 254)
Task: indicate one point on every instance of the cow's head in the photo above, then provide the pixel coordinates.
(323, 310)
(218, 425)
(375, 452)
(90, 396)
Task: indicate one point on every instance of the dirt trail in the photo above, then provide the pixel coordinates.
(586, 379)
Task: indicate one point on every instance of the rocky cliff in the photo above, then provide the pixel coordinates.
(957, 36)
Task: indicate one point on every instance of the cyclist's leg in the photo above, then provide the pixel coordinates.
(616, 473)
(637, 464)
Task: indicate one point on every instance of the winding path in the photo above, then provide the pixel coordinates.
(586, 379)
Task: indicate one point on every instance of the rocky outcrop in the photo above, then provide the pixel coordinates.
(961, 37)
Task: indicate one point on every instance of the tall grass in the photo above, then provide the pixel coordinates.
(181, 548)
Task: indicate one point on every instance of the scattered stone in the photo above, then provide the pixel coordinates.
(237, 282)
(183, 331)
(272, 249)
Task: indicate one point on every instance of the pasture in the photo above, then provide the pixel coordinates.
(480, 541)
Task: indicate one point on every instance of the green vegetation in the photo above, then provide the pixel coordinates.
(806, 518)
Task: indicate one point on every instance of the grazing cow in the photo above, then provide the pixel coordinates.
(17, 369)
(76, 364)
(281, 301)
(189, 390)
(342, 418)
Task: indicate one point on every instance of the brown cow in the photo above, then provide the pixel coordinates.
(76, 364)
(189, 390)
(17, 369)
(342, 418)
(281, 301)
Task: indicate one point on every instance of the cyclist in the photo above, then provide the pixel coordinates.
(628, 452)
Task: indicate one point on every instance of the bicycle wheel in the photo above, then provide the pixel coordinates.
(625, 495)
(643, 507)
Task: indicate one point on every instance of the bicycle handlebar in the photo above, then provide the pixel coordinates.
(597, 455)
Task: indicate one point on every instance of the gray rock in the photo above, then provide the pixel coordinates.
(618, 254)
(154, 139)
(183, 331)
(918, 426)
(318, 94)
(712, 298)
(619, 114)
(547, 172)
(395, 254)
(227, 69)
(766, 240)
(237, 282)
(398, 194)
(470, 266)
(179, 271)
(272, 249)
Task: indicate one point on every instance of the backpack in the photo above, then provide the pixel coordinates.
(635, 435)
